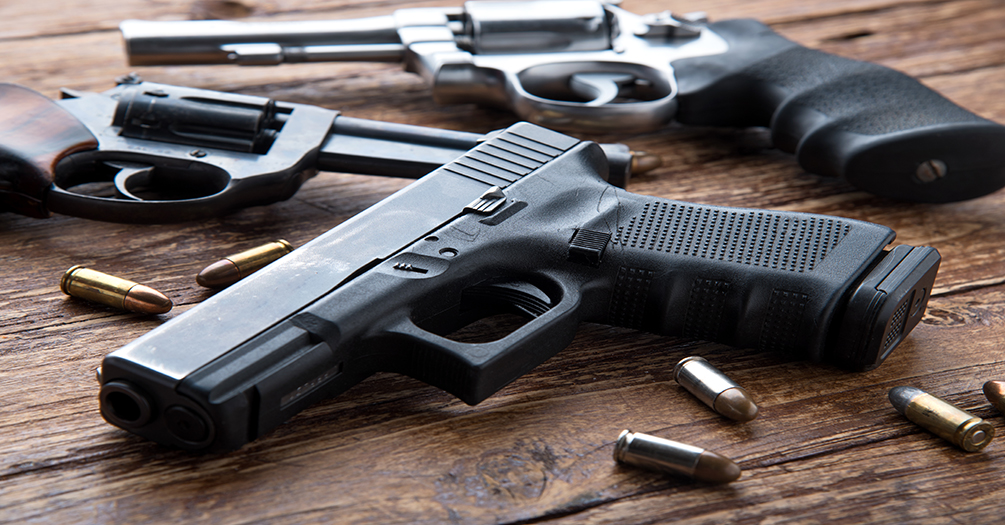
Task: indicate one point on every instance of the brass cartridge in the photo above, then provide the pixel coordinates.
(113, 291)
(233, 268)
(959, 427)
(995, 392)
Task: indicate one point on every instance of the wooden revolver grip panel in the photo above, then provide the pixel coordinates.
(35, 133)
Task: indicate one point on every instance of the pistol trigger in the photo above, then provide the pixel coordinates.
(518, 297)
(130, 176)
(600, 88)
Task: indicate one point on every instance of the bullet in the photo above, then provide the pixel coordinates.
(714, 389)
(960, 428)
(643, 162)
(112, 291)
(995, 392)
(233, 268)
(670, 457)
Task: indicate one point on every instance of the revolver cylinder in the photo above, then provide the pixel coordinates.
(542, 27)
(249, 126)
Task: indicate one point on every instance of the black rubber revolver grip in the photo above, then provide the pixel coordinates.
(879, 129)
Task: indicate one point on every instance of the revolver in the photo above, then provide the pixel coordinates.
(591, 66)
(153, 153)
(522, 224)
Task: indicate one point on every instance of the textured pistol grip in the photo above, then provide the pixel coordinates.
(776, 281)
(881, 130)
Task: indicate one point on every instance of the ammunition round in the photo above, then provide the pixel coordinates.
(715, 389)
(995, 392)
(670, 457)
(233, 268)
(643, 162)
(109, 290)
(959, 427)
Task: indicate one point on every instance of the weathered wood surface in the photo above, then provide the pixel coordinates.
(827, 447)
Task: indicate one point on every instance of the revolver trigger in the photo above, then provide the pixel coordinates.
(130, 176)
(600, 88)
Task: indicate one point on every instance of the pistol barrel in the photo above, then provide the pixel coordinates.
(400, 150)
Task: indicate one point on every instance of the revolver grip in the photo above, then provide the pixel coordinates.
(879, 129)
(811, 286)
(34, 135)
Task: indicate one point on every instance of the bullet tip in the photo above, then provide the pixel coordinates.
(736, 404)
(901, 396)
(995, 392)
(715, 468)
(219, 274)
(145, 300)
(643, 162)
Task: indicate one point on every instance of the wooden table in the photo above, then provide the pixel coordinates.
(826, 448)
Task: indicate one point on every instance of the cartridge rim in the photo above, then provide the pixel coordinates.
(621, 445)
(972, 439)
(680, 365)
(64, 282)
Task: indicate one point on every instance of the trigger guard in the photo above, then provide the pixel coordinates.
(640, 116)
(484, 368)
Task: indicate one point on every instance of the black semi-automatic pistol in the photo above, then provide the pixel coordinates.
(522, 224)
(153, 153)
(582, 65)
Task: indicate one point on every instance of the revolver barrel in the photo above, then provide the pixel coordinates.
(482, 28)
(227, 42)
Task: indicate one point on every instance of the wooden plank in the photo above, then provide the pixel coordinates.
(559, 423)
(827, 446)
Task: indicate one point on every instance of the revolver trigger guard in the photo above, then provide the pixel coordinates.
(552, 95)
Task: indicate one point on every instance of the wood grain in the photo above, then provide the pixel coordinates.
(826, 448)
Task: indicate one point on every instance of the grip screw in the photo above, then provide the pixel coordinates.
(931, 171)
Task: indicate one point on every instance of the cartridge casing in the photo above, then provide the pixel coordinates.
(671, 457)
(714, 389)
(995, 392)
(235, 267)
(116, 292)
(959, 427)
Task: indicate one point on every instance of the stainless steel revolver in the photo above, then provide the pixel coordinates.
(591, 66)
